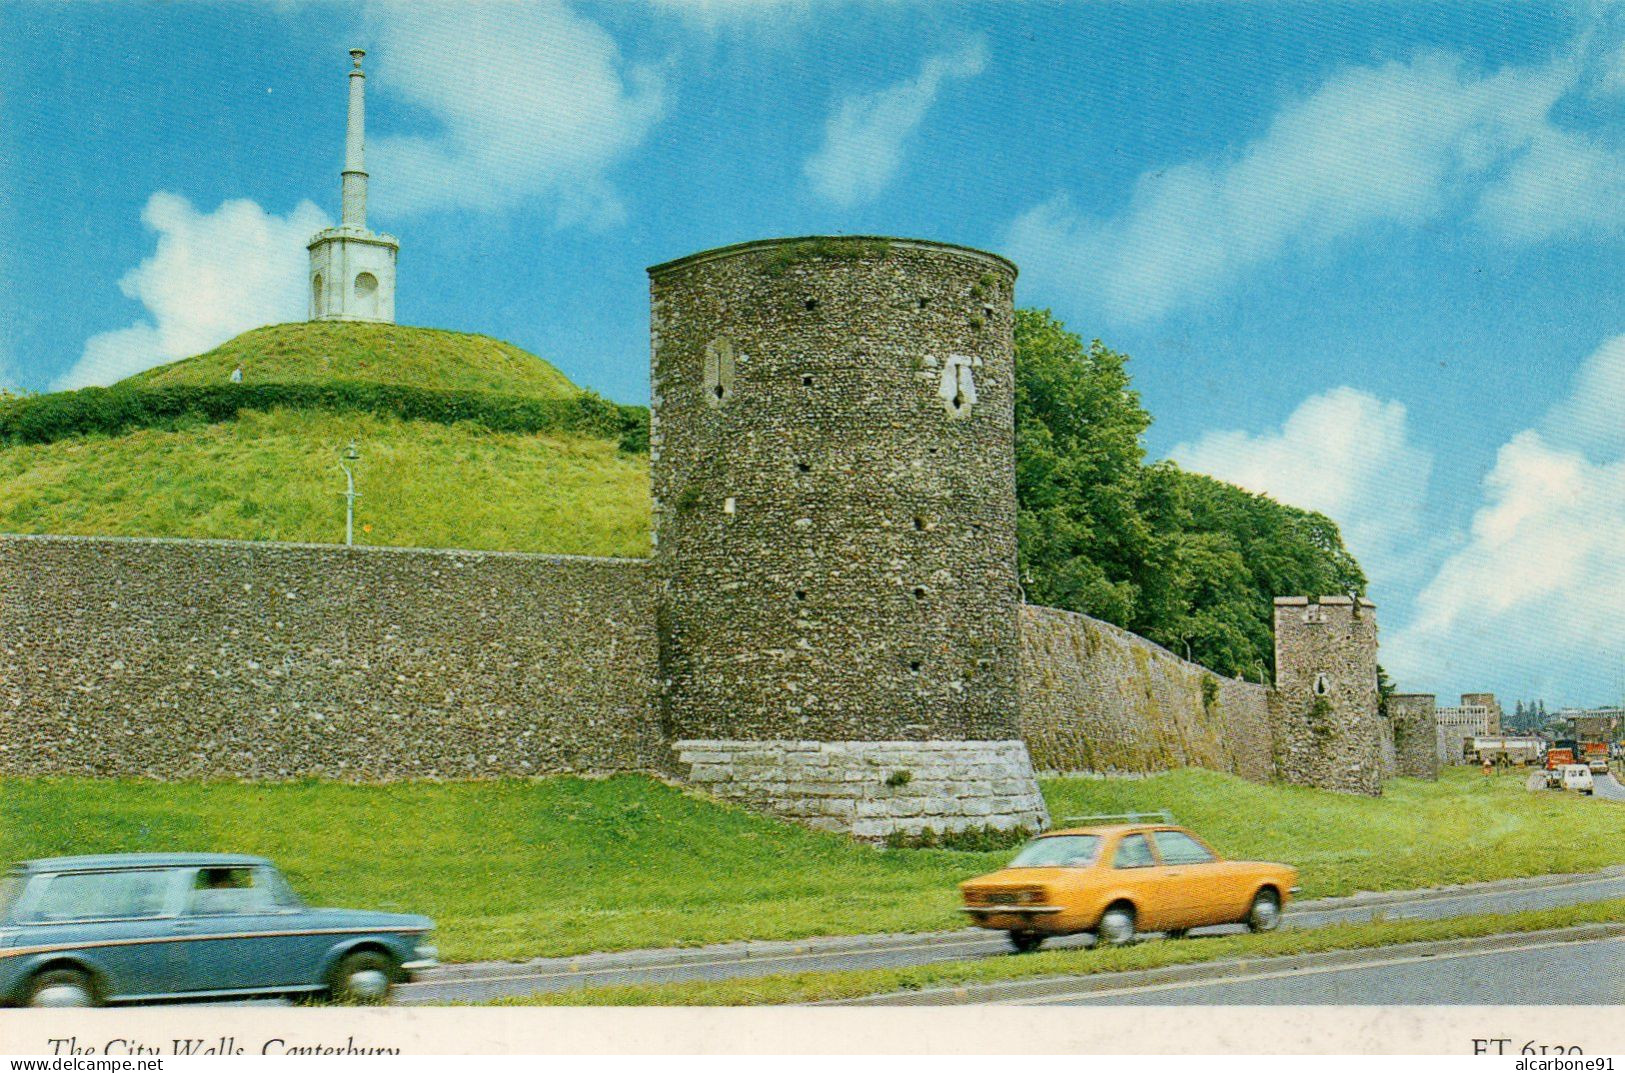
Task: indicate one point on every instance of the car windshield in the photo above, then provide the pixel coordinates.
(1058, 851)
(11, 885)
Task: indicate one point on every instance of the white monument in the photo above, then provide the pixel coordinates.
(352, 270)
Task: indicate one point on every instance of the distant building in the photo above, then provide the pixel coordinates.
(1507, 750)
(1457, 726)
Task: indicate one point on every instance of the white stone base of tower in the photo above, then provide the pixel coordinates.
(873, 789)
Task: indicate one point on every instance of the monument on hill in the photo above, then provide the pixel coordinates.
(352, 269)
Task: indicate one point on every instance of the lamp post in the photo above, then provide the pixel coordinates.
(350, 456)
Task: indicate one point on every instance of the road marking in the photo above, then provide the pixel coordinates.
(1313, 970)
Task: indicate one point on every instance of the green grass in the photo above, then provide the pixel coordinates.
(518, 869)
(511, 869)
(274, 476)
(828, 986)
(317, 352)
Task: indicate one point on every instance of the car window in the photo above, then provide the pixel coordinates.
(1134, 852)
(1177, 847)
(11, 885)
(1058, 851)
(102, 895)
(239, 889)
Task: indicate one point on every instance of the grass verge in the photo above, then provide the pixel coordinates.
(827, 986)
(519, 869)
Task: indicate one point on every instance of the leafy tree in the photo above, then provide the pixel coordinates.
(1186, 560)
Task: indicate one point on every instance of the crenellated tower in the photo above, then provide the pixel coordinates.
(1326, 722)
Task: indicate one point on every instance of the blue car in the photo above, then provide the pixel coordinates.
(145, 927)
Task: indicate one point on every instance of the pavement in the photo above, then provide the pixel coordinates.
(1567, 966)
(480, 982)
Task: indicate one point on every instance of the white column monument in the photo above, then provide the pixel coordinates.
(352, 270)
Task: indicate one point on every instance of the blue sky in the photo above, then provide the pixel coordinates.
(1365, 257)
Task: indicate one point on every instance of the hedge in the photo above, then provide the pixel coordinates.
(118, 409)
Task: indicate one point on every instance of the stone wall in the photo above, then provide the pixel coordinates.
(200, 659)
(1415, 738)
(872, 789)
(1098, 698)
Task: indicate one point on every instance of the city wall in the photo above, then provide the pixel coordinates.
(1098, 698)
(194, 659)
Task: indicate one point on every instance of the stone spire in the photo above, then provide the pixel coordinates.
(352, 270)
(355, 148)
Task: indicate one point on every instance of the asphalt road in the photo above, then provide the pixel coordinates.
(478, 983)
(1608, 787)
(1557, 974)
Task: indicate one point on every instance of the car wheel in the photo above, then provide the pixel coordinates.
(1265, 915)
(1117, 926)
(1025, 942)
(364, 978)
(63, 987)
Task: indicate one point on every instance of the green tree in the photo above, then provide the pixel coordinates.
(1188, 561)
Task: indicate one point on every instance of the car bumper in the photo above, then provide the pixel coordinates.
(414, 967)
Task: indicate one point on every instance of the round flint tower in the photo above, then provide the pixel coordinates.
(834, 492)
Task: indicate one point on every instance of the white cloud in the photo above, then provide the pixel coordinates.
(212, 276)
(1392, 144)
(1533, 598)
(1592, 418)
(865, 136)
(1344, 453)
(530, 101)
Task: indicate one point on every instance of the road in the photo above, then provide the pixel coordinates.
(1550, 974)
(1608, 786)
(478, 983)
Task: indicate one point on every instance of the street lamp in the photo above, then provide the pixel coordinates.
(350, 456)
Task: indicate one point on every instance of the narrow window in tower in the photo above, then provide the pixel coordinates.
(803, 467)
(1322, 687)
(919, 592)
(317, 305)
(920, 524)
(806, 381)
(914, 666)
(924, 302)
(801, 594)
(718, 375)
(810, 304)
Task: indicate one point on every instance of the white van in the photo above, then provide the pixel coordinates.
(1577, 777)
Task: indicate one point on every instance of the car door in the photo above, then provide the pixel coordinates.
(1142, 878)
(236, 935)
(114, 919)
(1203, 889)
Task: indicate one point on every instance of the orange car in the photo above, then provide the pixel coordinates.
(1122, 879)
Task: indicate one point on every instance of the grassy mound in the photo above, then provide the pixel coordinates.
(466, 442)
(320, 352)
(629, 862)
(274, 476)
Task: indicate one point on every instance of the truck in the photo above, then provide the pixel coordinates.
(1594, 754)
(1556, 760)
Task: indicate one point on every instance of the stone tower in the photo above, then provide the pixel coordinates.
(1416, 746)
(1327, 726)
(352, 270)
(832, 455)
